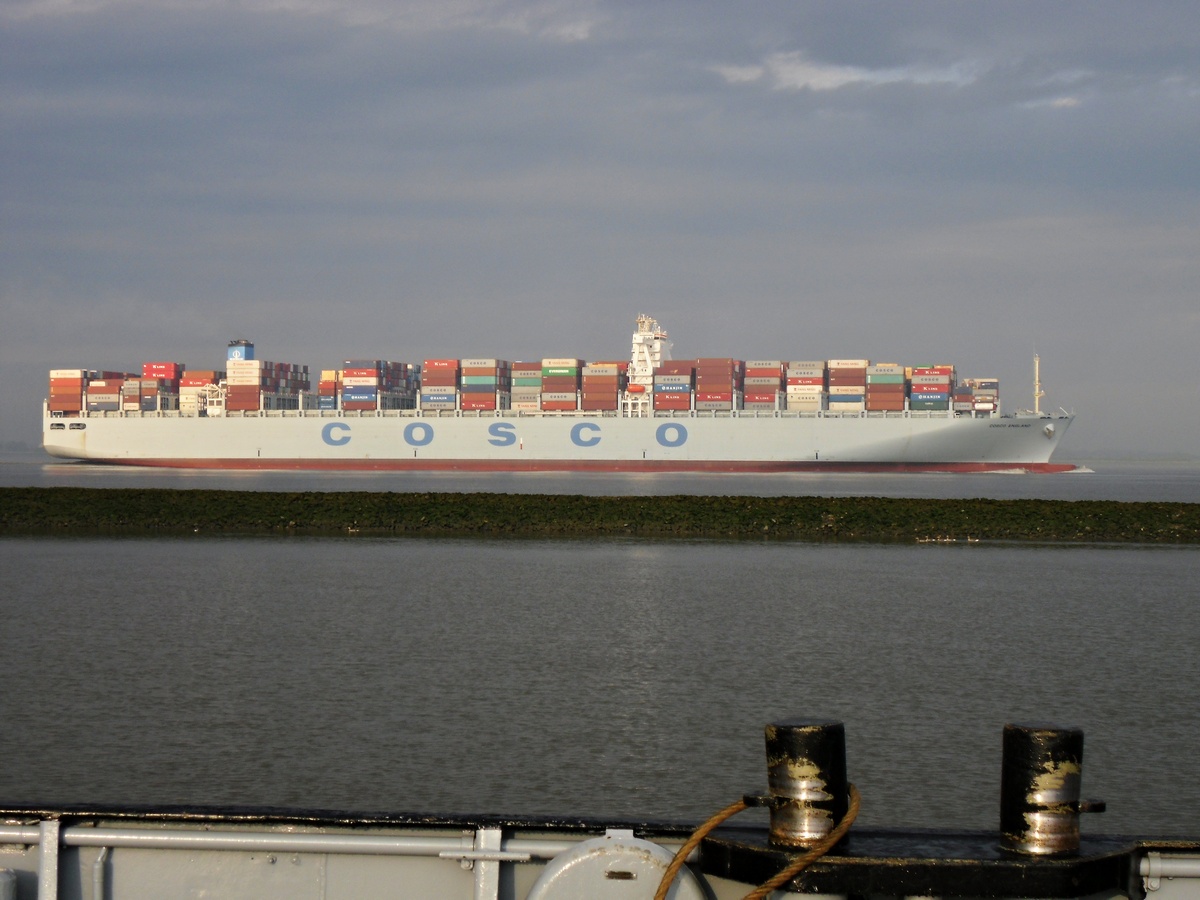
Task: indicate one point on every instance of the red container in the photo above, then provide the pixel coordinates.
(599, 403)
(64, 404)
(931, 388)
(759, 397)
(359, 405)
(476, 401)
(558, 405)
(676, 368)
(360, 373)
(714, 396)
(443, 364)
(162, 370)
(673, 401)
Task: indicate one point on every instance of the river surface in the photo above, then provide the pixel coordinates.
(626, 678)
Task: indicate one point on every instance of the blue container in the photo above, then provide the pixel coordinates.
(672, 388)
(327, 402)
(360, 394)
(240, 350)
(430, 397)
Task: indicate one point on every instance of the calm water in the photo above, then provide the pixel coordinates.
(1107, 480)
(624, 678)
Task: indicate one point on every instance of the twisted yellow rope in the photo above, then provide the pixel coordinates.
(782, 877)
(691, 843)
(826, 844)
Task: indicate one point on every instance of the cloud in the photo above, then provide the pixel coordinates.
(795, 71)
(565, 21)
(1068, 102)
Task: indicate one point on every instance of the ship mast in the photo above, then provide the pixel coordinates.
(1038, 393)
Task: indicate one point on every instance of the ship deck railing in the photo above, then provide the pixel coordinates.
(518, 414)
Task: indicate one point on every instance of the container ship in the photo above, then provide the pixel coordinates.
(650, 413)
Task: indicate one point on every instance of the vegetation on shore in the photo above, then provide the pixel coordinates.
(207, 512)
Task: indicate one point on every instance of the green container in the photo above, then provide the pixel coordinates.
(559, 371)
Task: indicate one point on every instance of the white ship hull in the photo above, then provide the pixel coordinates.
(509, 441)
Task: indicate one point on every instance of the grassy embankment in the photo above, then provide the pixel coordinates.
(151, 511)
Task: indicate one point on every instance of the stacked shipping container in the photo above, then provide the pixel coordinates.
(763, 384)
(847, 381)
(526, 391)
(561, 384)
(886, 387)
(673, 385)
(439, 383)
(551, 385)
(930, 387)
(601, 384)
(719, 383)
(485, 384)
(367, 384)
(806, 385)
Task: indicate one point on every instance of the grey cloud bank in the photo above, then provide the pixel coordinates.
(966, 183)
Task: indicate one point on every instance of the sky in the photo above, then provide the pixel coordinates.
(909, 182)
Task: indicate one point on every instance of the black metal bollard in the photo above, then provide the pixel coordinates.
(1039, 789)
(806, 779)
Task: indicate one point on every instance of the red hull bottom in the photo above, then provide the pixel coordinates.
(628, 466)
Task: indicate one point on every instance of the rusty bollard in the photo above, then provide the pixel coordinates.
(806, 779)
(1039, 790)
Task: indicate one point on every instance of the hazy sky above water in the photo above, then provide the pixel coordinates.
(910, 182)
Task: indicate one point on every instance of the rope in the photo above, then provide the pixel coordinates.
(794, 868)
(826, 844)
(691, 843)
